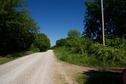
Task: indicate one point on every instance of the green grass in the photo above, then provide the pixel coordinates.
(84, 60)
(5, 59)
(80, 78)
(65, 55)
(10, 57)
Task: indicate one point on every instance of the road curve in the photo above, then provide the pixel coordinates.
(32, 69)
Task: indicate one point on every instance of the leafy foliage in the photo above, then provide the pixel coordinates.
(114, 14)
(61, 42)
(110, 56)
(83, 51)
(73, 34)
(78, 45)
(17, 28)
(42, 42)
(117, 42)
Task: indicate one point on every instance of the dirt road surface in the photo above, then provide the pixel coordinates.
(38, 68)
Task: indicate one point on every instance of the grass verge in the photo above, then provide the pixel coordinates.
(85, 59)
(103, 76)
(5, 59)
(10, 57)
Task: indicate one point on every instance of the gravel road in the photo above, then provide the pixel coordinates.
(39, 68)
(32, 69)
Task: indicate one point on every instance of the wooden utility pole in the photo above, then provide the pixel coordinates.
(103, 31)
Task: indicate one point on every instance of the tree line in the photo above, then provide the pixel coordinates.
(114, 15)
(18, 30)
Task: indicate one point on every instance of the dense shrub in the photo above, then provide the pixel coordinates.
(119, 43)
(84, 52)
(74, 34)
(79, 45)
(110, 56)
(61, 42)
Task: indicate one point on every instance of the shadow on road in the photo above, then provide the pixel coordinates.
(102, 77)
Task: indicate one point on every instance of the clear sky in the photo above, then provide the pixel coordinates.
(56, 17)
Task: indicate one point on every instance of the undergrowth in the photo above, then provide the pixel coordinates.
(99, 56)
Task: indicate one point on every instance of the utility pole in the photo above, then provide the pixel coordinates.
(103, 31)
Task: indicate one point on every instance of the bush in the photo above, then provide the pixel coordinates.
(119, 43)
(79, 45)
(61, 42)
(109, 56)
(64, 54)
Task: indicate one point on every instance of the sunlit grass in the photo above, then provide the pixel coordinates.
(5, 59)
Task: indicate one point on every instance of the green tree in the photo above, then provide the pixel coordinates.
(42, 42)
(74, 34)
(17, 28)
(114, 14)
(61, 42)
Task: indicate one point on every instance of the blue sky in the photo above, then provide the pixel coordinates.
(56, 17)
